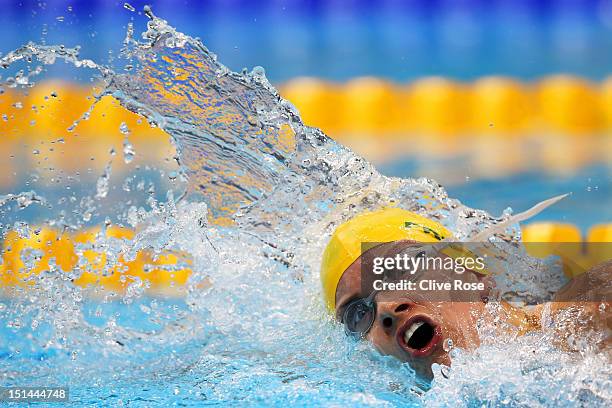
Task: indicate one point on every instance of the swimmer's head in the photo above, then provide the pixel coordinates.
(395, 322)
(387, 225)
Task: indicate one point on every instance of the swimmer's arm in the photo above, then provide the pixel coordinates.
(595, 285)
(581, 308)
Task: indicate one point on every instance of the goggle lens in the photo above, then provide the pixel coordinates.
(358, 317)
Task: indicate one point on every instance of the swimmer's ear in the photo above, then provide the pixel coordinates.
(525, 215)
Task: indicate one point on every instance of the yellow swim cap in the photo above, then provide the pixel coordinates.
(387, 225)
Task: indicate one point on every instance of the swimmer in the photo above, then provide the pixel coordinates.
(412, 328)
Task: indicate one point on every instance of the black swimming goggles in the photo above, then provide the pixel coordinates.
(358, 316)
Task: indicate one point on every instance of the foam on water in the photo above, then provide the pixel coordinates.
(263, 194)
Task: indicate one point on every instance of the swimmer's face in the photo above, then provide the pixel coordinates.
(410, 327)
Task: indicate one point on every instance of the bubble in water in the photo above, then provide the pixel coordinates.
(447, 345)
(129, 7)
(102, 183)
(123, 128)
(128, 151)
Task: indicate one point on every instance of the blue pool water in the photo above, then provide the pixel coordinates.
(337, 40)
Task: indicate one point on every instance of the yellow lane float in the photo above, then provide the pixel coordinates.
(437, 106)
(606, 102)
(598, 238)
(544, 239)
(319, 102)
(96, 268)
(53, 126)
(501, 106)
(569, 105)
(366, 105)
(23, 258)
(369, 106)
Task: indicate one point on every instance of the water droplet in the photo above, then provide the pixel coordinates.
(128, 151)
(126, 185)
(258, 72)
(123, 128)
(445, 371)
(23, 200)
(60, 18)
(448, 345)
(148, 12)
(102, 182)
(18, 105)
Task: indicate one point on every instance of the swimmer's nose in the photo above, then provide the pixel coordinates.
(388, 314)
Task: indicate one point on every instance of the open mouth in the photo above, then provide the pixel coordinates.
(419, 336)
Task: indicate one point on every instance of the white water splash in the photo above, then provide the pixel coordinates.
(24, 199)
